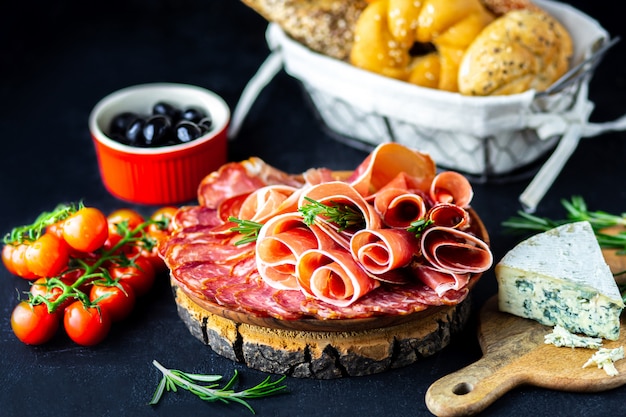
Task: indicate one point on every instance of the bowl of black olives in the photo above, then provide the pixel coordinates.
(156, 142)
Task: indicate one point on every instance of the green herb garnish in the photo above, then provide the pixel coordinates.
(173, 378)
(417, 227)
(576, 210)
(342, 215)
(248, 228)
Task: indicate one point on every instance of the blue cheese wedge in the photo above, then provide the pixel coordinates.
(560, 277)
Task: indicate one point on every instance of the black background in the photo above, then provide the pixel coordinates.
(57, 59)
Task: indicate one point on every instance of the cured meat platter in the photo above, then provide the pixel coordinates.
(337, 307)
(514, 353)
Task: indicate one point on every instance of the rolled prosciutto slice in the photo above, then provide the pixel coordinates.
(387, 161)
(455, 251)
(333, 276)
(451, 187)
(398, 207)
(279, 244)
(441, 281)
(342, 194)
(269, 201)
(383, 250)
(449, 215)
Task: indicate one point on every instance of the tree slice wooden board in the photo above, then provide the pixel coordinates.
(514, 353)
(322, 354)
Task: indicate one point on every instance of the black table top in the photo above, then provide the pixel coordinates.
(60, 58)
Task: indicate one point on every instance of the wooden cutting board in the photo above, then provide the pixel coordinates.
(514, 353)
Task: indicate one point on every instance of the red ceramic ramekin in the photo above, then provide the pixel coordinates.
(166, 174)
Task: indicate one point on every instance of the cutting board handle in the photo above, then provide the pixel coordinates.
(471, 389)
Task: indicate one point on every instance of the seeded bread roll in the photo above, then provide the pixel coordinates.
(325, 26)
(500, 7)
(521, 50)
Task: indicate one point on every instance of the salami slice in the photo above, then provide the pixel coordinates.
(230, 180)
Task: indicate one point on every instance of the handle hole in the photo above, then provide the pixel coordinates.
(462, 388)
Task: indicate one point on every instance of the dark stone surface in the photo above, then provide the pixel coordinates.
(57, 59)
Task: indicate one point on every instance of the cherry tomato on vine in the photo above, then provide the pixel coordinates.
(132, 219)
(41, 287)
(47, 256)
(130, 216)
(163, 213)
(56, 229)
(141, 276)
(18, 262)
(118, 301)
(86, 325)
(7, 258)
(86, 230)
(34, 325)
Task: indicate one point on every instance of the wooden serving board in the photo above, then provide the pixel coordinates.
(514, 353)
(326, 350)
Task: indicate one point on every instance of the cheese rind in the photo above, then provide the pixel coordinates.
(560, 277)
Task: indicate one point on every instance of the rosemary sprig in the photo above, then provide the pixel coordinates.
(576, 210)
(248, 228)
(173, 378)
(342, 215)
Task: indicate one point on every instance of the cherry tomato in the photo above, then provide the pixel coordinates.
(56, 229)
(7, 258)
(163, 213)
(19, 264)
(132, 218)
(118, 301)
(140, 277)
(41, 287)
(47, 256)
(33, 325)
(86, 325)
(86, 230)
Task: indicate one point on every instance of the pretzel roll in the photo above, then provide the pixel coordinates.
(387, 32)
(521, 50)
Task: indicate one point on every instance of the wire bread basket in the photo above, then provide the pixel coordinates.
(486, 138)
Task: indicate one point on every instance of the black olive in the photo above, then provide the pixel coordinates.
(134, 133)
(187, 131)
(193, 114)
(166, 109)
(157, 130)
(120, 123)
(206, 124)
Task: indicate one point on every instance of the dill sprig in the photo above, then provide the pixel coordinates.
(173, 378)
(342, 215)
(576, 210)
(248, 228)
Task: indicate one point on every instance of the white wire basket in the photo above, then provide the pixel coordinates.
(487, 138)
